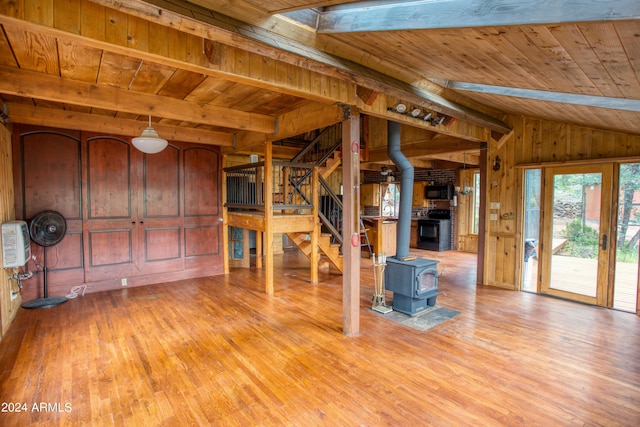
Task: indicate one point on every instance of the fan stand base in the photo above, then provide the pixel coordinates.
(44, 302)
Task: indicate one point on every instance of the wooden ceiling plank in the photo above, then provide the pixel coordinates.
(151, 77)
(41, 86)
(182, 83)
(20, 113)
(79, 62)
(7, 57)
(558, 60)
(118, 70)
(581, 52)
(33, 51)
(426, 14)
(613, 56)
(266, 80)
(258, 40)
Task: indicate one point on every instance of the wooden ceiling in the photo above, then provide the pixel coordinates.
(235, 73)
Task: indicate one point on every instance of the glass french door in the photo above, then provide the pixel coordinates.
(627, 268)
(577, 232)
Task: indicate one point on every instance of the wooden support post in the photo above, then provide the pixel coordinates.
(483, 225)
(315, 234)
(225, 220)
(268, 216)
(351, 225)
(258, 249)
(246, 248)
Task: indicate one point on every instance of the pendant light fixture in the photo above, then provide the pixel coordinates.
(149, 142)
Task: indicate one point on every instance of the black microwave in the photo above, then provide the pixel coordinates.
(438, 192)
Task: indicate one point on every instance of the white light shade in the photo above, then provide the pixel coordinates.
(149, 142)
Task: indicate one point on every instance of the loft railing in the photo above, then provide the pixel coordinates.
(292, 186)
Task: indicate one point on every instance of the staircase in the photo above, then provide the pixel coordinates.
(328, 249)
(324, 153)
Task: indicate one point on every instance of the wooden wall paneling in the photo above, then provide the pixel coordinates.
(8, 306)
(580, 146)
(138, 33)
(531, 141)
(111, 237)
(125, 210)
(202, 208)
(50, 173)
(93, 20)
(160, 219)
(66, 16)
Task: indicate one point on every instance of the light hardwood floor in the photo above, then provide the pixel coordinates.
(218, 351)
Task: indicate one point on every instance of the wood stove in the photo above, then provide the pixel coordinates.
(414, 284)
(413, 281)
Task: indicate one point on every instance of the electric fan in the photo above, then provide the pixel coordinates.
(47, 228)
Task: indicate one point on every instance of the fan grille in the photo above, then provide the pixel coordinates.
(47, 228)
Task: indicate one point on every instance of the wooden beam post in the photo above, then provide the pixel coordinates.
(225, 219)
(351, 224)
(315, 234)
(268, 216)
(483, 226)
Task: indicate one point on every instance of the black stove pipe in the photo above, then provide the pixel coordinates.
(403, 231)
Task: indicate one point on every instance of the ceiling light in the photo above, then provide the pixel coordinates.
(401, 108)
(149, 142)
(415, 112)
(437, 120)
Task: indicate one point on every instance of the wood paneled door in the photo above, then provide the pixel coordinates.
(131, 215)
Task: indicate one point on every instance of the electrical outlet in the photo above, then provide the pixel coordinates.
(124, 281)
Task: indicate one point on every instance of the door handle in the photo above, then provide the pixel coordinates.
(604, 241)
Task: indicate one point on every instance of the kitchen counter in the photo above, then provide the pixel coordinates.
(382, 234)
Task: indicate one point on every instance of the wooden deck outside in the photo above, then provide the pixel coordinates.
(219, 351)
(577, 275)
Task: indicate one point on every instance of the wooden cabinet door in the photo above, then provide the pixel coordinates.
(110, 231)
(370, 194)
(418, 194)
(160, 221)
(47, 175)
(202, 209)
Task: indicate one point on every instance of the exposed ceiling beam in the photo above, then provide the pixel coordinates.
(258, 40)
(306, 118)
(52, 117)
(380, 107)
(31, 84)
(542, 95)
(424, 149)
(426, 14)
(468, 158)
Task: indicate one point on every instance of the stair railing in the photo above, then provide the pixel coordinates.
(319, 150)
(330, 211)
